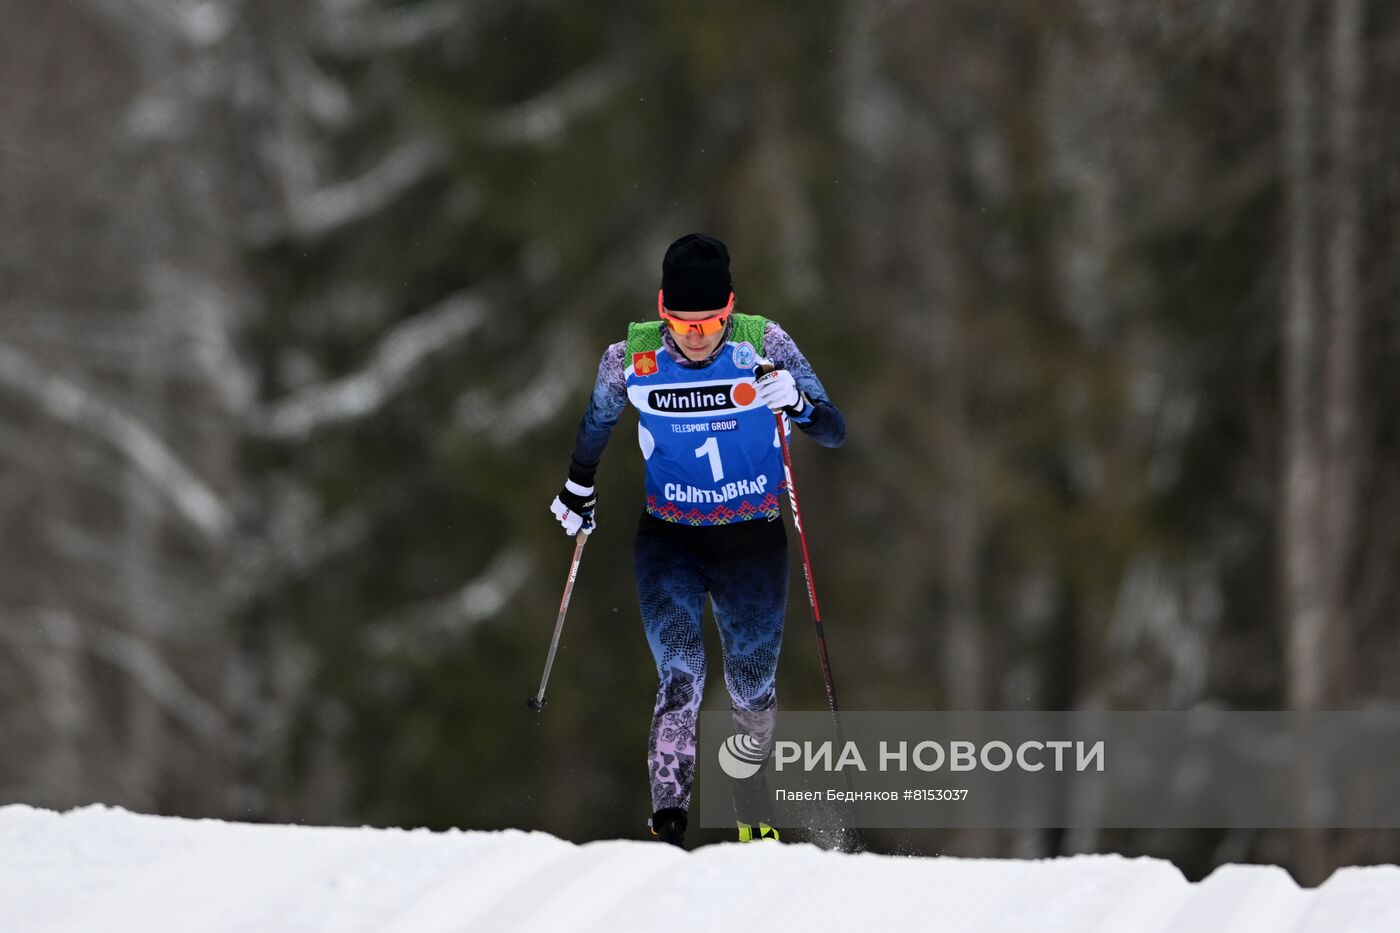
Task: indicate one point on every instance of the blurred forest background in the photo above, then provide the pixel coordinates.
(300, 304)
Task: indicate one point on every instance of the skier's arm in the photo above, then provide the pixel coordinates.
(821, 420)
(573, 506)
(604, 408)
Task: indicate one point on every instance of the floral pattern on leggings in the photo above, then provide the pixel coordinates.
(743, 572)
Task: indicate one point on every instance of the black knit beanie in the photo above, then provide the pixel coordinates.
(695, 274)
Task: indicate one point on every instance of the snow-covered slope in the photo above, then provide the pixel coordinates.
(99, 869)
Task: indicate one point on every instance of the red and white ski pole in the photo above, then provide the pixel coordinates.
(806, 561)
(807, 568)
(536, 702)
(852, 840)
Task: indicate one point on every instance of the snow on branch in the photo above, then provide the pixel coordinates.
(155, 31)
(323, 98)
(391, 366)
(63, 700)
(325, 210)
(68, 402)
(299, 540)
(149, 31)
(58, 630)
(542, 119)
(354, 33)
(160, 680)
(427, 625)
(506, 421)
(204, 310)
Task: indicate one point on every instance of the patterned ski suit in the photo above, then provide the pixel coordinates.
(712, 524)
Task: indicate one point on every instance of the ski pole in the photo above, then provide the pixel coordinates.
(853, 841)
(807, 572)
(536, 702)
(806, 565)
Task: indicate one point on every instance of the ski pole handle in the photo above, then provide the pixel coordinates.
(536, 702)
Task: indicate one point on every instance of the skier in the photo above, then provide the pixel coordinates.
(712, 523)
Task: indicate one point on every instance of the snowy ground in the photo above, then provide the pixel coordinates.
(99, 869)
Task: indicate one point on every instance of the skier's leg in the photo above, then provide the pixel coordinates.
(671, 590)
(750, 598)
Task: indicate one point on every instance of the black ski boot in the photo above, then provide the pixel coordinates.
(668, 825)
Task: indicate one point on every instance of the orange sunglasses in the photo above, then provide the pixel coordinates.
(705, 326)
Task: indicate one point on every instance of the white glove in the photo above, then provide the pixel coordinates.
(779, 391)
(573, 508)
